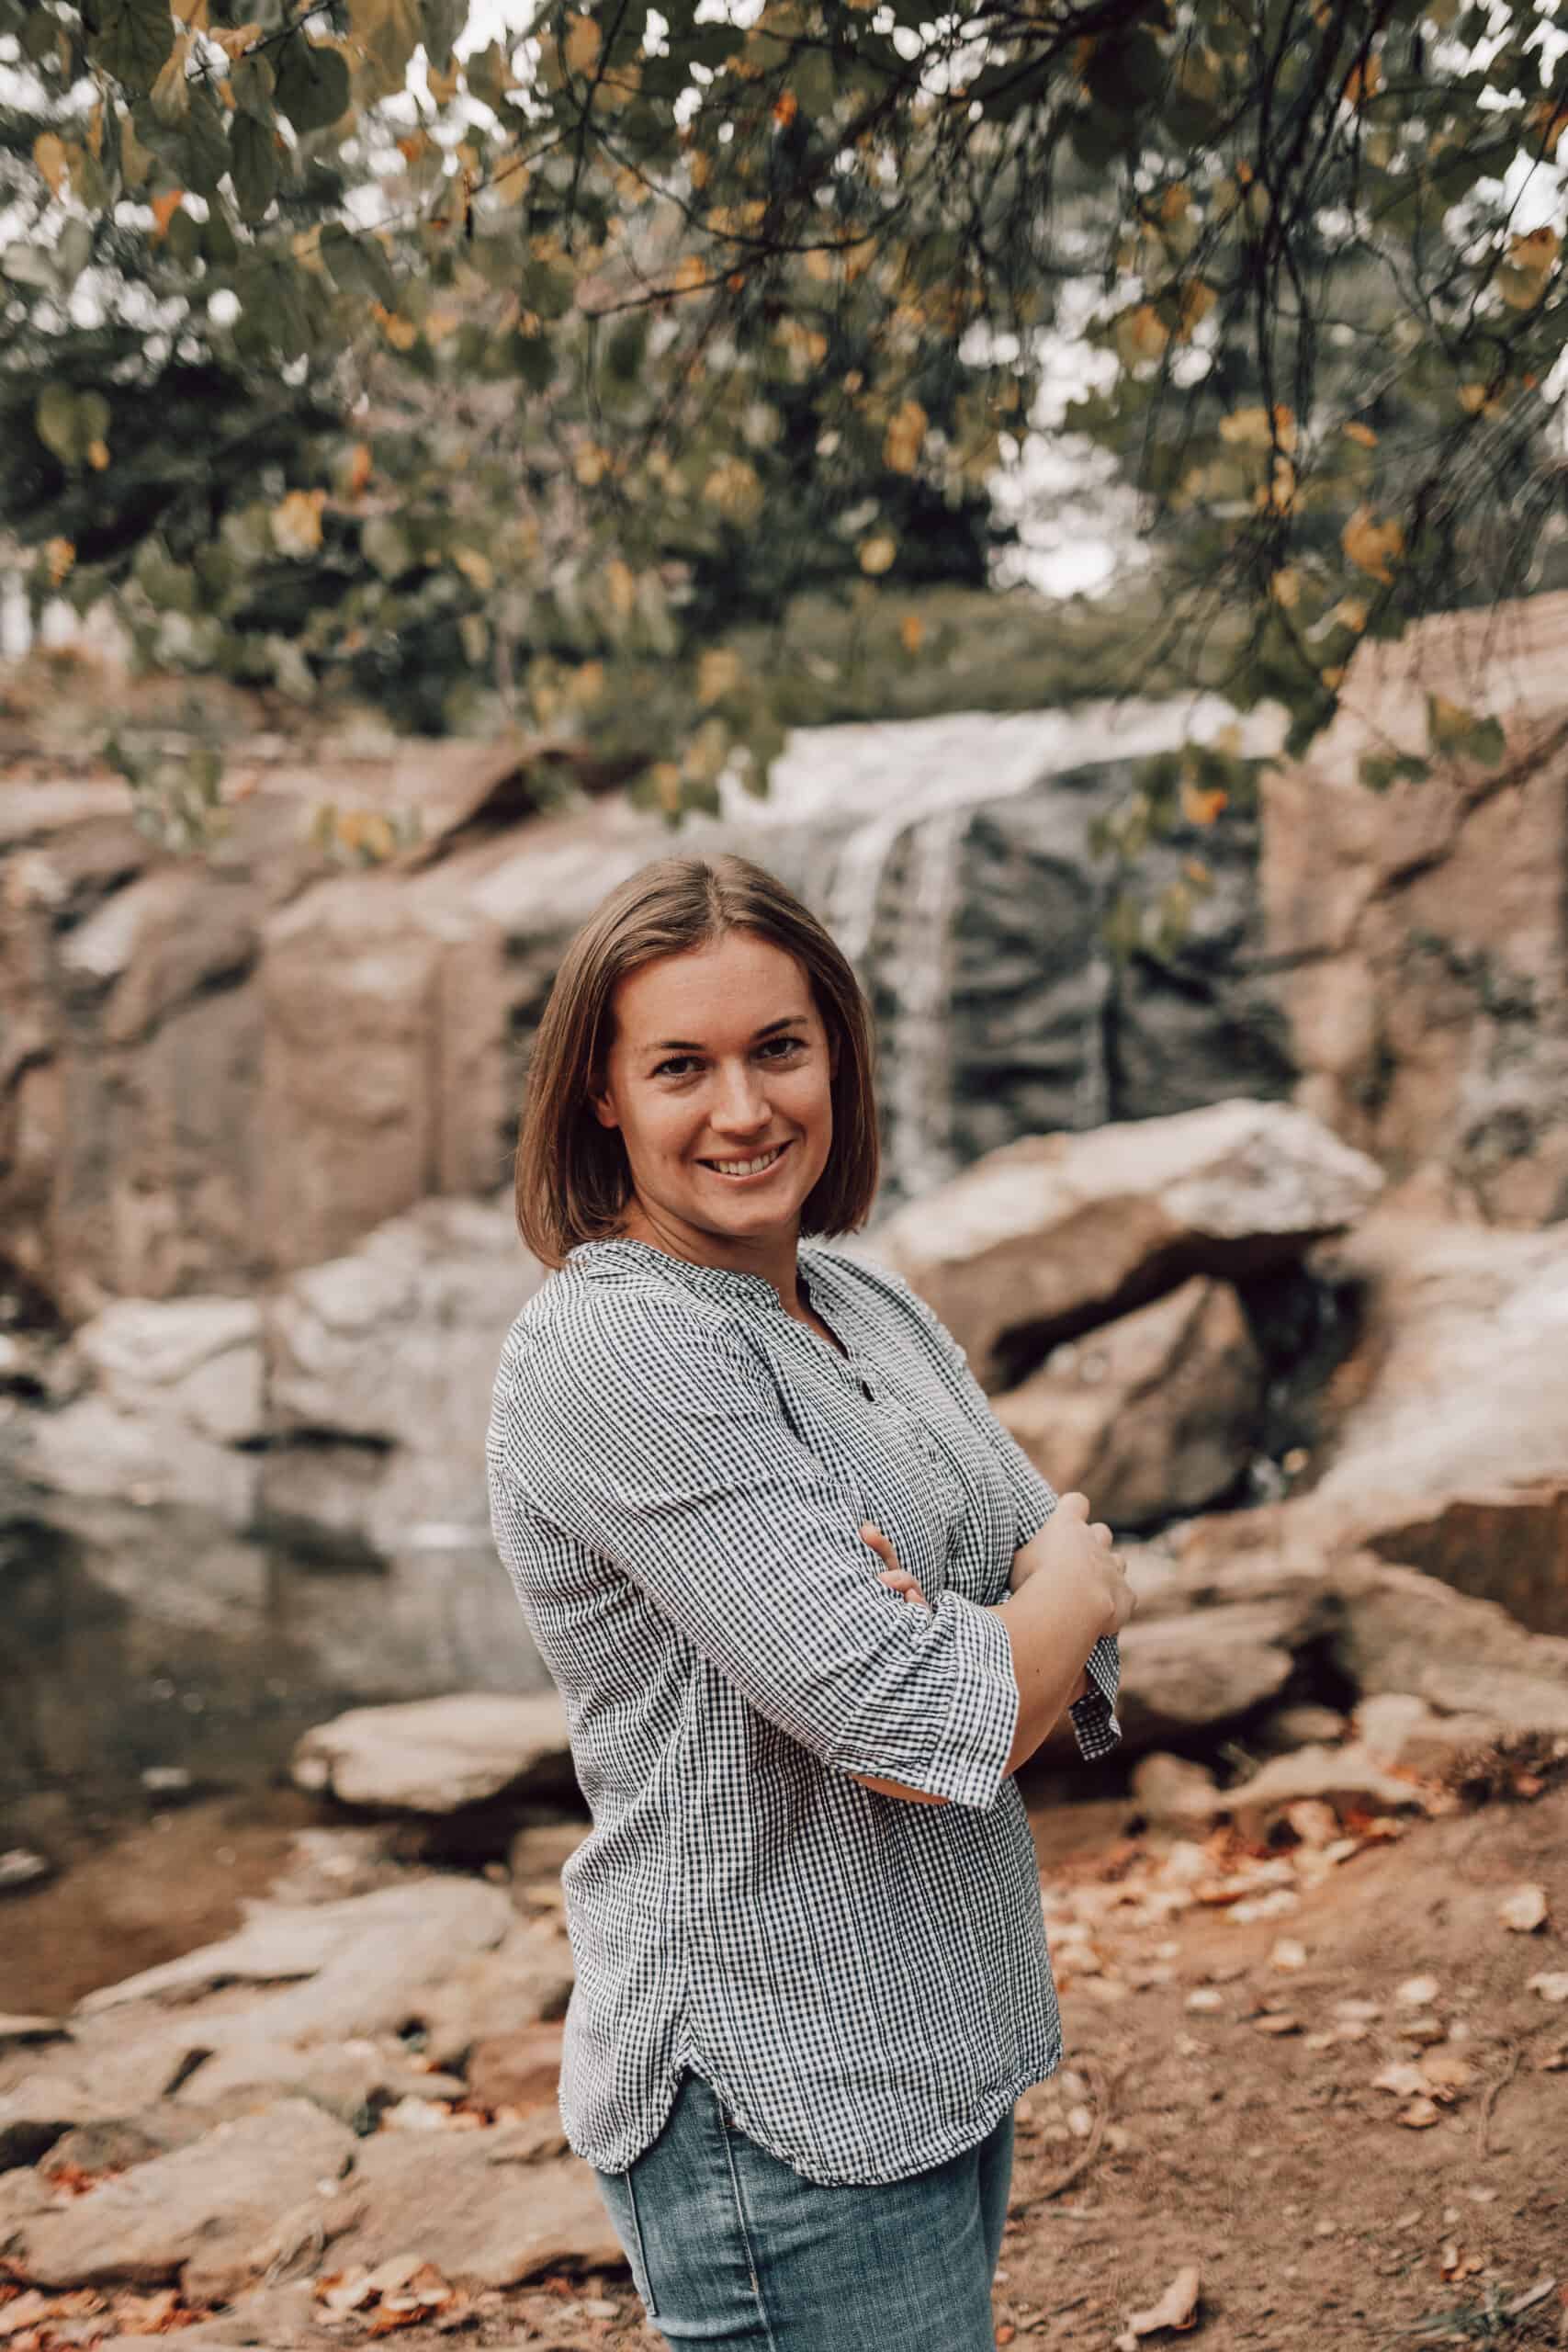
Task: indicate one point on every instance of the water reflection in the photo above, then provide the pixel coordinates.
(146, 1640)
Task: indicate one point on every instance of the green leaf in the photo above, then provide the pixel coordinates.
(444, 20)
(57, 422)
(27, 266)
(359, 263)
(132, 38)
(252, 160)
(386, 546)
(312, 83)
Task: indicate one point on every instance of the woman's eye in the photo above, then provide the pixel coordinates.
(678, 1063)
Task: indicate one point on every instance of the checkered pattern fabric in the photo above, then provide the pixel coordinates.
(676, 1470)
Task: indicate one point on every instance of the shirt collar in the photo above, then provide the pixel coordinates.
(620, 1255)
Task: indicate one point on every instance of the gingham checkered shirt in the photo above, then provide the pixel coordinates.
(676, 1470)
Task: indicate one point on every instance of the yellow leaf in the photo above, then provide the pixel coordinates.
(718, 674)
(1201, 807)
(164, 208)
(876, 554)
(1537, 250)
(1286, 588)
(1476, 399)
(818, 263)
(1361, 432)
(590, 465)
(1371, 546)
(1146, 331)
(98, 455)
(60, 554)
(50, 156)
(1351, 614)
(1198, 299)
(296, 523)
(444, 87)
(358, 471)
(1363, 81)
(401, 333)
(1175, 202)
(581, 44)
(620, 581)
(905, 436)
(170, 91)
(690, 274)
(1334, 677)
(911, 632)
(1254, 428)
(476, 568)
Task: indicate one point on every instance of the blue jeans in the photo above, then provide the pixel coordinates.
(730, 2247)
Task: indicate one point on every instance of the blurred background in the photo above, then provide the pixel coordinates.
(447, 462)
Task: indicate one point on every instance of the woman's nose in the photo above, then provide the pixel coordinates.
(741, 1101)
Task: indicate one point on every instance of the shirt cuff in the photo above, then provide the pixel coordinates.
(1094, 1721)
(969, 1762)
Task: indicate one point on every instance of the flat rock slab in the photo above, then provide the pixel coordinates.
(1181, 1672)
(345, 1965)
(192, 2216)
(485, 2215)
(435, 1756)
(1054, 1233)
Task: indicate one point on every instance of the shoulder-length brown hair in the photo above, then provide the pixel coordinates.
(573, 1181)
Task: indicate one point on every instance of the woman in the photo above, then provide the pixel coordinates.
(761, 1523)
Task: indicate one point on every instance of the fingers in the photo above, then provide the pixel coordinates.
(1102, 1534)
(871, 1533)
(900, 1580)
(1073, 1506)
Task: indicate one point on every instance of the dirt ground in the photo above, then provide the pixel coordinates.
(1217, 2135)
(1267, 2159)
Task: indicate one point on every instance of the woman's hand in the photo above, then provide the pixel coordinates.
(895, 1578)
(1069, 1545)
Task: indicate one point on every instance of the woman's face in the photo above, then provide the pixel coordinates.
(720, 1059)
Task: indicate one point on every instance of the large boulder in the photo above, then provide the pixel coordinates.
(1450, 1450)
(436, 1755)
(490, 2213)
(1156, 1413)
(1443, 1432)
(171, 1408)
(1052, 1234)
(196, 2215)
(1419, 933)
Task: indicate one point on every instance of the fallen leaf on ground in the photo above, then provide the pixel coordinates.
(1177, 2308)
(1418, 1992)
(1524, 1910)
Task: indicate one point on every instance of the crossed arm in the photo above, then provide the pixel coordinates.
(1024, 1562)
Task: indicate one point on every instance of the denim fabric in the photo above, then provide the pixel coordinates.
(730, 2247)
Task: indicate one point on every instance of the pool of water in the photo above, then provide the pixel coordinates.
(153, 1657)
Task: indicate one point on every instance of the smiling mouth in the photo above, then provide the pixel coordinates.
(757, 1165)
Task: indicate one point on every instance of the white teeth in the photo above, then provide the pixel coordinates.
(745, 1167)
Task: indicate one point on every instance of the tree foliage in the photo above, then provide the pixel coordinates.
(597, 338)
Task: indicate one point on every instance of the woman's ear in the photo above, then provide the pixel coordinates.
(604, 1110)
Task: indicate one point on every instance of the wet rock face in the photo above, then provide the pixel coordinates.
(213, 1077)
(1420, 935)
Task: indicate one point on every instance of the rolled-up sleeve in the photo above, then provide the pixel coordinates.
(649, 1429)
(1094, 1720)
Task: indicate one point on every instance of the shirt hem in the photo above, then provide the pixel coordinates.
(805, 2160)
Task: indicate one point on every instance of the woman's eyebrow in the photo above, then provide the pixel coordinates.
(687, 1046)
